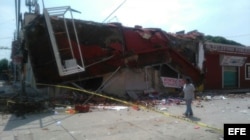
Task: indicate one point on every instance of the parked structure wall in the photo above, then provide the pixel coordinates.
(143, 80)
(245, 76)
(226, 67)
(212, 72)
(128, 80)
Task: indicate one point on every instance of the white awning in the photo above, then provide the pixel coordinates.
(227, 60)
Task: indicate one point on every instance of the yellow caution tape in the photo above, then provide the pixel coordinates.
(132, 104)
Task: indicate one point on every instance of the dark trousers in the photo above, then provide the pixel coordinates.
(189, 110)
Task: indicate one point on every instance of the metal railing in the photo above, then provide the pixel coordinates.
(70, 66)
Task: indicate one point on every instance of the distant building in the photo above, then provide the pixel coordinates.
(226, 66)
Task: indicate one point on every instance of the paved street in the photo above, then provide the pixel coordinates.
(102, 125)
(165, 122)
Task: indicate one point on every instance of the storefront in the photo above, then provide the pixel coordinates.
(226, 66)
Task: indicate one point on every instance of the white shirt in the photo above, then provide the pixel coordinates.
(188, 90)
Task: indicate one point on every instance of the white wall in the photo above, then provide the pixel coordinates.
(128, 79)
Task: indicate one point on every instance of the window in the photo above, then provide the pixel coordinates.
(247, 71)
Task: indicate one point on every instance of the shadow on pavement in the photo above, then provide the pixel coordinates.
(193, 118)
(38, 120)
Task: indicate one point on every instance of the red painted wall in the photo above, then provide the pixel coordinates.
(244, 83)
(213, 77)
(213, 72)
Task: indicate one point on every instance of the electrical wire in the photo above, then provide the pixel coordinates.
(239, 35)
(6, 37)
(114, 11)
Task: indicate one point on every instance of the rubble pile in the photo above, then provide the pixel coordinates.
(77, 102)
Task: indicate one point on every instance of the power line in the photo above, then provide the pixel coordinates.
(8, 20)
(4, 48)
(114, 11)
(6, 37)
(240, 35)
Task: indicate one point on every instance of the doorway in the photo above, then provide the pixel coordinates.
(230, 77)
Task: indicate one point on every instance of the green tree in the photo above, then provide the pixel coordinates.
(222, 40)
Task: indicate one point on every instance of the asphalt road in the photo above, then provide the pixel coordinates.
(103, 125)
(128, 123)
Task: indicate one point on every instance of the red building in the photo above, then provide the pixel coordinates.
(226, 66)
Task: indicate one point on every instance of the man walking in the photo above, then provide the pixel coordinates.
(188, 90)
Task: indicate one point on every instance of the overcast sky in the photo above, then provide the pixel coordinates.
(229, 19)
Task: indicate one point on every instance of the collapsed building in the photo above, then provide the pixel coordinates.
(115, 59)
(60, 50)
